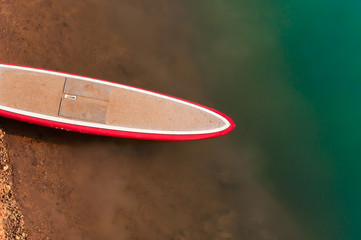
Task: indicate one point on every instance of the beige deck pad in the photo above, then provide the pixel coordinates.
(87, 89)
(31, 91)
(83, 110)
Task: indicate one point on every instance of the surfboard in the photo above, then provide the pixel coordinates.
(93, 106)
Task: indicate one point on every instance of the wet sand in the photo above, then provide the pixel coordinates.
(74, 186)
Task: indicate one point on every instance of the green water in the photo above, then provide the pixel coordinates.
(289, 74)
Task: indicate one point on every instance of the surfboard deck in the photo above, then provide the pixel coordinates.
(87, 105)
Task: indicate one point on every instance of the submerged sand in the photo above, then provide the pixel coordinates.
(72, 186)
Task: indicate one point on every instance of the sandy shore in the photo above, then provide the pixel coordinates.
(72, 186)
(11, 219)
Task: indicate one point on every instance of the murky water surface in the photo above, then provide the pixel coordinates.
(289, 73)
(74, 186)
